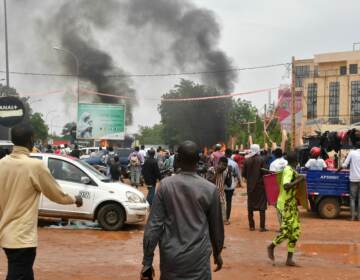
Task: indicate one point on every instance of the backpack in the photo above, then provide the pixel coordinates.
(134, 160)
(228, 177)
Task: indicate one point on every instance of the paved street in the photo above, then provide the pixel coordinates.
(329, 249)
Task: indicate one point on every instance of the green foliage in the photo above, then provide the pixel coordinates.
(202, 121)
(244, 120)
(151, 135)
(207, 122)
(38, 123)
(241, 120)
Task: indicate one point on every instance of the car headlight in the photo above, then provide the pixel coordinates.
(133, 197)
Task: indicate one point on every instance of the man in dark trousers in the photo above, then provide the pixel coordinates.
(23, 179)
(253, 174)
(186, 221)
(76, 152)
(151, 174)
(115, 169)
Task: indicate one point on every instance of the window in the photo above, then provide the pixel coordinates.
(334, 92)
(353, 68)
(311, 100)
(301, 72)
(343, 70)
(316, 71)
(62, 170)
(355, 102)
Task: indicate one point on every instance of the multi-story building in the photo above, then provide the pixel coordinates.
(330, 86)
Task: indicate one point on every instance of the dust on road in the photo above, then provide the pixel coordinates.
(328, 249)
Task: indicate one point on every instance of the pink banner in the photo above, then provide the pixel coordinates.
(284, 108)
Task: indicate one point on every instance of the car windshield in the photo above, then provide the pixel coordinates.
(93, 171)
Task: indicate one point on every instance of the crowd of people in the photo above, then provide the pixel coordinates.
(188, 210)
(227, 170)
(178, 222)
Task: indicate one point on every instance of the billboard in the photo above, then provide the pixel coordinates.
(101, 121)
(284, 108)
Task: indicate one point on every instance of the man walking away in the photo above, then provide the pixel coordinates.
(151, 174)
(239, 158)
(221, 177)
(115, 169)
(353, 159)
(186, 219)
(76, 152)
(49, 149)
(23, 179)
(290, 225)
(255, 186)
(142, 153)
(229, 189)
(216, 155)
(279, 163)
(135, 160)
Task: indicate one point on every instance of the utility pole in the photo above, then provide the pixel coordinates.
(6, 47)
(293, 107)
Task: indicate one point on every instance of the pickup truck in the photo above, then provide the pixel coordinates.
(328, 191)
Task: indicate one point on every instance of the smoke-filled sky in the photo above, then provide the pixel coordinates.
(164, 36)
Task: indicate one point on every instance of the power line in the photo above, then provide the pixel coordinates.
(154, 75)
(93, 92)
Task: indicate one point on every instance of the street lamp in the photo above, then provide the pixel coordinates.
(51, 123)
(77, 68)
(6, 47)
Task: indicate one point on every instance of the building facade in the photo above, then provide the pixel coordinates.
(330, 86)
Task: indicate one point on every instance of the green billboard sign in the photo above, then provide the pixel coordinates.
(101, 121)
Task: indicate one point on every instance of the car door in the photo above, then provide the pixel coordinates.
(69, 176)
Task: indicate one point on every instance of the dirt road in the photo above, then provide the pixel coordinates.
(328, 249)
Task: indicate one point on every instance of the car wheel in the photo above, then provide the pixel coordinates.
(111, 217)
(329, 208)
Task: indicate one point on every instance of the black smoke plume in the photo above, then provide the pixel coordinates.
(195, 34)
(145, 35)
(95, 65)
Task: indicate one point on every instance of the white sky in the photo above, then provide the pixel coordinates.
(256, 32)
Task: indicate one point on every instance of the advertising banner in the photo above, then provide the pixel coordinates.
(101, 121)
(284, 108)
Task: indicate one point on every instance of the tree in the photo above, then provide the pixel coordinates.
(244, 120)
(38, 123)
(202, 121)
(242, 117)
(151, 135)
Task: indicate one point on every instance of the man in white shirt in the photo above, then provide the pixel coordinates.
(353, 159)
(315, 162)
(279, 163)
(142, 152)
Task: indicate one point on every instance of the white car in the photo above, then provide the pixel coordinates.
(111, 204)
(87, 151)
